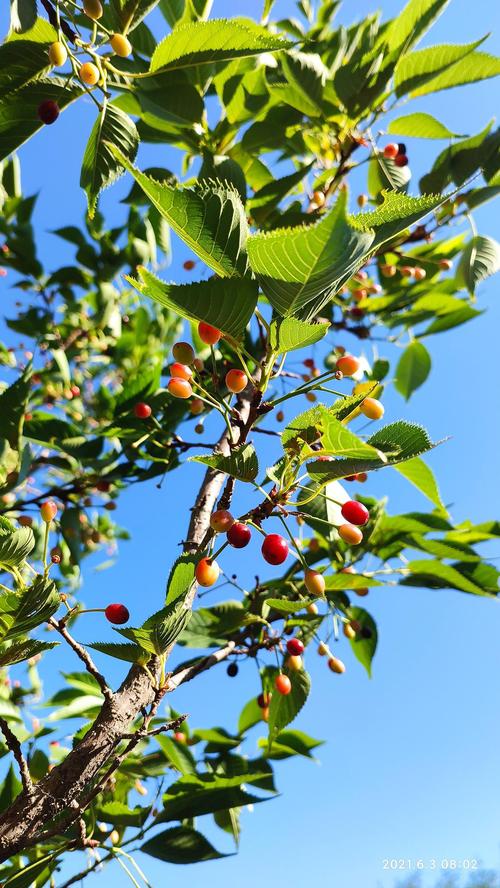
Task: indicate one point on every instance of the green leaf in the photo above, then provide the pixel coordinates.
(282, 605)
(421, 126)
(226, 304)
(180, 578)
(420, 67)
(417, 472)
(120, 814)
(364, 648)
(241, 464)
(218, 40)
(284, 708)
(323, 512)
(181, 845)
(479, 260)
(436, 574)
(22, 15)
(18, 111)
(131, 653)
(23, 650)
(13, 401)
(292, 742)
(399, 441)
(411, 24)
(20, 62)
(250, 715)
(40, 32)
(100, 167)
(339, 440)
(15, 547)
(289, 334)
(36, 873)
(413, 369)
(10, 789)
(186, 799)
(343, 581)
(161, 630)
(210, 218)
(396, 213)
(476, 66)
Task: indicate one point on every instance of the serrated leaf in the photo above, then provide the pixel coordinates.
(22, 611)
(13, 401)
(343, 581)
(476, 66)
(417, 472)
(161, 630)
(283, 606)
(15, 547)
(337, 439)
(182, 802)
(396, 213)
(23, 650)
(22, 15)
(418, 68)
(209, 217)
(226, 304)
(218, 40)
(131, 653)
(411, 24)
(18, 111)
(289, 334)
(284, 708)
(181, 845)
(100, 167)
(20, 62)
(241, 464)
(290, 743)
(323, 513)
(479, 260)
(430, 573)
(413, 369)
(421, 126)
(364, 648)
(180, 578)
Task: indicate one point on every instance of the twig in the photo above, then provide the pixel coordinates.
(15, 748)
(53, 19)
(190, 672)
(84, 656)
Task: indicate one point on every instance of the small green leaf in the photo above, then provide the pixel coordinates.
(413, 369)
(339, 440)
(120, 814)
(289, 334)
(436, 574)
(417, 472)
(343, 581)
(181, 845)
(180, 578)
(282, 605)
(480, 259)
(364, 648)
(23, 650)
(100, 167)
(22, 611)
(421, 126)
(241, 464)
(15, 547)
(418, 68)
(285, 707)
(161, 630)
(18, 111)
(13, 401)
(131, 653)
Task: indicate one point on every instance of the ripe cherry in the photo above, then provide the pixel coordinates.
(57, 54)
(309, 362)
(180, 737)
(207, 572)
(336, 665)
(89, 74)
(121, 45)
(295, 647)
(56, 559)
(280, 416)
(179, 388)
(391, 150)
(372, 408)
(93, 8)
(314, 582)
(348, 365)
(420, 273)
(196, 406)
(188, 265)
(183, 352)
(283, 684)
(48, 511)
(310, 396)
(142, 410)
(25, 520)
(362, 592)
(48, 111)
(355, 513)
(401, 160)
(239, 535)
(350, 534)
(117, 613)
(232, 670)
(264, 700)
(221, 520)
(236, 381)
(274, 548)
(181, 371)
(208, 334)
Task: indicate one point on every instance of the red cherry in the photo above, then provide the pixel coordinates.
(117, 613)
(264, 700)
(309, 362)
(391, 150)
(48, 111)
(355, 513)
(221, 520)
(142, 410)
(295, 647)
(208, 334)
(239, 535)
(48, 511)
(401, 160)
(283, 684)
(188, 265)
(274, 549)
(103, 486)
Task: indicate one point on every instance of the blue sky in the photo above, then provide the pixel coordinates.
(410, 768)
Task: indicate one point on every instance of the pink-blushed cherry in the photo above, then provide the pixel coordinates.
(239, 535)
(336, 665)
(142, 410)
(348, 365)
(179, 388)
(388, 271)
(294, 663)
(314, 582)
(184, 353)
(221, 520)
(355, 513)
(420, 273)
(208, 334)
(274, 548)
(295, 647)
(350, 534)
(48, 111)
(117, 614)
(48, 511)
(406, 270)
(179, 737)
(312, 609)
(445, 264)
(236, 381)
(207, 572)
(372, 408)
(180, 371)
(196, 406)
(283, 684)
(391, 150)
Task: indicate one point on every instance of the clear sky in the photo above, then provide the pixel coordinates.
(410, 768)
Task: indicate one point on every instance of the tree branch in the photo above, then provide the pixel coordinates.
(180, 676)
(15, 748)
(84, 656)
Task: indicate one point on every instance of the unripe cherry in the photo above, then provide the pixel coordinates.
(348, 365)
(196, 406)
(198, 365)
(207, 572)
(323, 649)
(388, 270)
(179, 388)
(221, 520)
(48, 111)
(355, 513)
(183, 352)
(419, 274)
(265, 714)
(93, 8)
(372, 409)
(349, 632)
(181, 371)
(391, 150)
(319, 198)
(236, 381)
(312, 608)
(295, 647)
(336, 665)
(57, 54)
(89, 74)
(239, 535)
(274, 548)
(48, 511)
(314, 582)
(283, 684)
(294, 663)
(208, 334)
(362, 200)
(121, 45)
(350, 534)
(142, 410)
(117, 613)
(313, 545)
